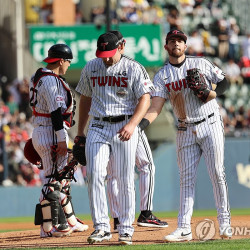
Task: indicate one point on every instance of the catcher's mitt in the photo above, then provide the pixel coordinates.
(196, 82)
(79, 149)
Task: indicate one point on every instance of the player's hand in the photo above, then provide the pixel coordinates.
(62, 148)
(126, 132)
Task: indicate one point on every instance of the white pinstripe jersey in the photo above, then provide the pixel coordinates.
(115, 90)
(49, 95)
(170, 84)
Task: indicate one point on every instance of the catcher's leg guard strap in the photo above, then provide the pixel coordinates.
(61, 218)
(50, 208)
(38, 215)
(69, 210)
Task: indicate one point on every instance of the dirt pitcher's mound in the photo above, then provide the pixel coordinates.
(30, 236)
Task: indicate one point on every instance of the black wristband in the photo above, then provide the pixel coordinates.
(57, 119)
(144, 123)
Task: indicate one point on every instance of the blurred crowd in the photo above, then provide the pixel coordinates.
(212, 32)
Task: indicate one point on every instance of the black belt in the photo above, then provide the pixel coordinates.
(113, 119)
(198, 122)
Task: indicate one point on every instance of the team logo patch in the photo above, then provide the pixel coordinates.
(97, 126)
(59, 98)
(123, 73)
(122, 92)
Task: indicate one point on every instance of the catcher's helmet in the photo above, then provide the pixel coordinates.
(57, 52)
(31, 154)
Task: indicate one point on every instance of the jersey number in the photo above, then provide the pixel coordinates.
(33, 99)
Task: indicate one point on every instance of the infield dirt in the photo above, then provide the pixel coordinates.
(28, 236)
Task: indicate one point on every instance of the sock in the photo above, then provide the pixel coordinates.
(146, 213)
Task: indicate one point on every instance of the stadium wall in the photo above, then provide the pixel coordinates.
(21, 201)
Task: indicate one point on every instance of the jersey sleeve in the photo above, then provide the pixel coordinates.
(213, 73)
(51, 92)
(83, 86)
(142, 84)
(160, 89)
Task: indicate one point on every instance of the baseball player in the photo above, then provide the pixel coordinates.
(115, 92)
(53, 106)
(146, 168)
(200, 128)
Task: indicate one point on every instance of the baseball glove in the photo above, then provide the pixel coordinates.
(196, 82)
(79, 149)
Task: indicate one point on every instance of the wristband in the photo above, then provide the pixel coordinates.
(144, 123)
(61, 135)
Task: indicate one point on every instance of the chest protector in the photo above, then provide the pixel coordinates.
(71, 104)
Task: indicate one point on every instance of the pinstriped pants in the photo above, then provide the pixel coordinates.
(145, 165)
(42, 139)
(205, 139)
(103, 144)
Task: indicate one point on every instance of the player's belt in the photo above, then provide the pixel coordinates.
(113, 119)
(198, 122)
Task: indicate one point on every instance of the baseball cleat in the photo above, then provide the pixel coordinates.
(99, 236)
(80, 227)
(125, 239)
(116, 223)
(57, 231)
(150, 221)
(225, 232)
(180, 234)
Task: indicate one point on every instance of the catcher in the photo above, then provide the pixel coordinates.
(53, 108)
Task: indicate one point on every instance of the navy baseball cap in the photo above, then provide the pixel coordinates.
(118, 35)
(107, 45)
(176, 33)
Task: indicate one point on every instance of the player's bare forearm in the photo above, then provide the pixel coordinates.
(155, 108)
(211, 96)
(127, 131)
(140, 110)
(61, 148)
(84, 107)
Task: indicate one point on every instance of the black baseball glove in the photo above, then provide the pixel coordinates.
(196, 82)
(79, 149)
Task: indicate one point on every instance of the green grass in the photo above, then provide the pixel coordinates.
(171, 214)
(211, 245)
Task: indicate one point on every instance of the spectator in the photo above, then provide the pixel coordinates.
(196, 44)
(24, 97)
(12, 105)
(248, 118)
(246, 46)
(233, 72)
(223, 45)
(173, 18)
(215, 8)
(233, 33)
(245, 68)
(186, 7)
(79, 18)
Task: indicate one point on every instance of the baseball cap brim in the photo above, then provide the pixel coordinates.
(51, 60)
(105, 54)
(182, 36)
